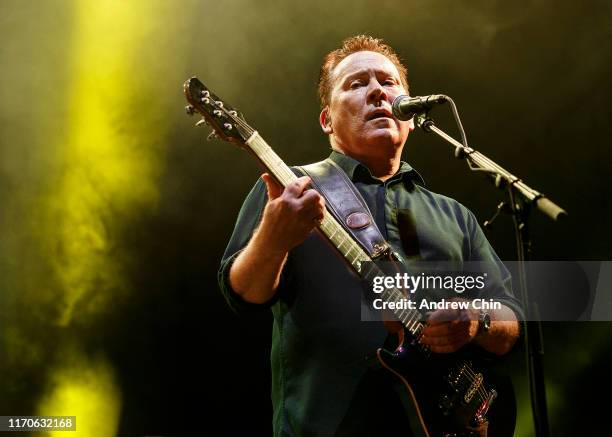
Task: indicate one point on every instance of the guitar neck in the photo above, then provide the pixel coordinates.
(270, 160)
(359, 261)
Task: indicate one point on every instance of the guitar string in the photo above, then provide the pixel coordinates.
(480, 390)
(470, 375)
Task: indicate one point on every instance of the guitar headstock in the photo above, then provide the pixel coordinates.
(226, 123)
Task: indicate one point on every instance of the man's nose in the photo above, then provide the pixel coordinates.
(377, 93)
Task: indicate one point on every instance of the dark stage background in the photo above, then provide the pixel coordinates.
(115, 211)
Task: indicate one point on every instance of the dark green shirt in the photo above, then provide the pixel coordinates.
(318, 340)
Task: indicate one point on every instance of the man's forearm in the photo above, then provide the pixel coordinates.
(288, 218)
(255, 274)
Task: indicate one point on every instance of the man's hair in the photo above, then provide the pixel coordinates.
(349, 46)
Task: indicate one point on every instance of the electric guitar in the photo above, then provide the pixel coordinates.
(448, 392)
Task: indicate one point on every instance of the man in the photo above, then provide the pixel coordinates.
(321, 383)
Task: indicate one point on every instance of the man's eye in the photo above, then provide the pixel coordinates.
(389, 82)
(356, 84)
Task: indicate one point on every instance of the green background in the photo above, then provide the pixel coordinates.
(115, 211)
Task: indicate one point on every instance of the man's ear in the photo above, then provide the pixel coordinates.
(325, 121)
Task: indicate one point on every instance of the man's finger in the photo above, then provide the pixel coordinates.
(455, 338)
(314, 200)
(446, 349)
(274, 189)
(442, 328)
(297, 187)
(442, 316)
(446, 329)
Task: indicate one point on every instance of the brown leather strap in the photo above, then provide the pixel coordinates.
(346, 204)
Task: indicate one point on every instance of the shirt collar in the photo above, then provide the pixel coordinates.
(354, 168)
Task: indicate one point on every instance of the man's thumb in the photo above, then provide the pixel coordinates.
(274, 190)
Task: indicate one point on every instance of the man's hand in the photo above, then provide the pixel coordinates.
(290, 214)
(449, 330)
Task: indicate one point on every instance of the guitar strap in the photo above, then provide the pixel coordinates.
(347, 205)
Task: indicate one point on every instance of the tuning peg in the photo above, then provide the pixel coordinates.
(202, 122)
(205, 93)
(233, 113)
(219, 104)
(213, 135)
(217, 113)
(227, 126)
(205, 100)
(189, 110)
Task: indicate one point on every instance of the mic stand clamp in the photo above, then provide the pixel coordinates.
(502, 207)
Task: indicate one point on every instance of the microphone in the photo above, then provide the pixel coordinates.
(405, 107)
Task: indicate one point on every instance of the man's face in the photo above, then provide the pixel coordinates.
(359, 116)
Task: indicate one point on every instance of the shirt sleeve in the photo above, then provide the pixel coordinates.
(499, 279)
(248, 220)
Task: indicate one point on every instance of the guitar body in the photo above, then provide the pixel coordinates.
(441, 398)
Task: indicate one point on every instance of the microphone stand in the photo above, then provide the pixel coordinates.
(520, 212)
